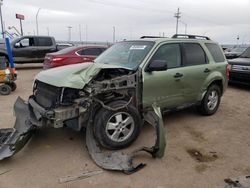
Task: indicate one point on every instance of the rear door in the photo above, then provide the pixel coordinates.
(44, 45)
(196, 69)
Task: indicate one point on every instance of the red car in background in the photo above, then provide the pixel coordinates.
(73, 55)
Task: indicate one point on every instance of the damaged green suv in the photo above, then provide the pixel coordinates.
(115, 91)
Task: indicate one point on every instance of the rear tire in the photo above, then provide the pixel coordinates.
(13, 86)
(117, 129)
(5, 89)
(211, 101)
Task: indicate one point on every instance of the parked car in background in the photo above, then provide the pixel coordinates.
(61, 46)
(239, 68)
(73, 55)
(30, 49)
(235, 52)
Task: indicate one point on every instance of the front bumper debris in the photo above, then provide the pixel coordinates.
(119, 161)
(13, 140)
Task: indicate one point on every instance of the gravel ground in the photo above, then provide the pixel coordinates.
(201, 151)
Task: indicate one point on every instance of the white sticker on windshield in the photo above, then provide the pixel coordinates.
(138, 47)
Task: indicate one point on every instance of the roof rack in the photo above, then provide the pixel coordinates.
(151, 37)
(190, 36)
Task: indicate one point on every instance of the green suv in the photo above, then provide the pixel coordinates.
(127, 79)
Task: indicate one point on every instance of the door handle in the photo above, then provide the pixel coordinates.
(178, 75)
(207, 70)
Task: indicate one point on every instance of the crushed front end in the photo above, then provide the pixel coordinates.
(60, 106)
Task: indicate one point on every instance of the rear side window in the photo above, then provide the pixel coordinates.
(44, 41)
(194, 54)
(215, 51)
(170, 53)
(91, 51)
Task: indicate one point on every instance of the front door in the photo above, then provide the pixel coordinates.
(165, 88)
(24, 50)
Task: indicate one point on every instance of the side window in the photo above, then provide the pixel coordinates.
(90, 51)
(194, 54)
(44, 41)
(170, 53)
(26, 42)
(103, 49)
(215, 51)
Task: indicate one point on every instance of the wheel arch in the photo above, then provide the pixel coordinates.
(216, 81)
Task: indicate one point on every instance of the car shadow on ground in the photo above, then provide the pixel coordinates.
(29, 66)
(240, 86)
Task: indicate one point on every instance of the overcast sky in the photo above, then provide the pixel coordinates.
(222, 20)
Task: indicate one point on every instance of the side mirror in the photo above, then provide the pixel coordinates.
(18, 45)
(157, 65)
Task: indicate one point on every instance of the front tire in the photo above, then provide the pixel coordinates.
(211, 101)
(117, 129)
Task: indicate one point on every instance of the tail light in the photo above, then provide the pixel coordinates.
(57, 59)
(227, 71)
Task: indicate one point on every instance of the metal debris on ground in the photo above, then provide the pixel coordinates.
(4, 172)
(239, 182)
(82, 175)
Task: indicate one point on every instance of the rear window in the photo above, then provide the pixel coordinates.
(44, 41)
(215, 51)
(90, 51)
(66, 50)
(246, 54)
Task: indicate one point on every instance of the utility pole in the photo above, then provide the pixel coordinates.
(37, 32)
(48, 31)
(177, 16)
(113, 34)
(69, 28)
(1, 3)
(86, 33)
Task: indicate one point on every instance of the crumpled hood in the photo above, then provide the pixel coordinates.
(73, 76)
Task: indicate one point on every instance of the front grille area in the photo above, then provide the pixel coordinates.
(241, 68)
(46, 95)
(239, 77)
(49, 96)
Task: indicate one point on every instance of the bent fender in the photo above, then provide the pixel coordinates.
(119, 161)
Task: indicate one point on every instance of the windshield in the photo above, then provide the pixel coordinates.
(240, 49)
(126, 54)
(246, 53)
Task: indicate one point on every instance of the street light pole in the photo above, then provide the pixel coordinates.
(37, 32)
(1, 3)
(113, 34)
(69, 27)
(185, 26)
